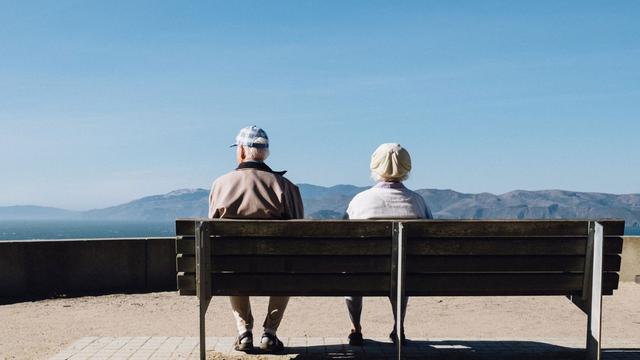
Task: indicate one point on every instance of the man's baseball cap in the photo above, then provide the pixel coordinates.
(252, 136)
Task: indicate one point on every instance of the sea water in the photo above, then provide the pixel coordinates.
(82, 229)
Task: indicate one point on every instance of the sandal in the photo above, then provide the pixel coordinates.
(355, 338)
(393, 337)
(246, 345)
(272, 345)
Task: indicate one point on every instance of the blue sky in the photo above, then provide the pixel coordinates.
(104, 102)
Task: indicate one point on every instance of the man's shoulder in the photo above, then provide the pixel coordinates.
(227, 176)
(288, 182)
(227, 179)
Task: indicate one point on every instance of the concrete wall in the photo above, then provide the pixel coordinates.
(44, 268)
(630, 267)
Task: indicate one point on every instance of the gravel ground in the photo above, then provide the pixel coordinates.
(36, 330)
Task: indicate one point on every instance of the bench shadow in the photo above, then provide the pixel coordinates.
(452, 349)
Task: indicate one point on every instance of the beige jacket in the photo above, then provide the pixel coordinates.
(254, 191)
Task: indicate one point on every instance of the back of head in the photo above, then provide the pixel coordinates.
(390, 162)
(254, 142)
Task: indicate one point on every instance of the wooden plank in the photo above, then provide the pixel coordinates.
(415, 246)
(506, 246)
(381, 264)
(302, 264)
(302, 246)
(434, 227)
(293, 228)
(501, 284)
(186, 281)
(434, 245)
(294, 285)
(290, 246)
(612, 227)
(185, 227)
(520, 263)
(184, 292)
(378, 285)
(185, 245)
(612, 245)
(303, 228)
(458, 228)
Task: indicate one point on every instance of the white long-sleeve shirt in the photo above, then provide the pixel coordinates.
(388, 200)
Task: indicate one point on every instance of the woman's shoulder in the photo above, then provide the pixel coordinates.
(365, 195)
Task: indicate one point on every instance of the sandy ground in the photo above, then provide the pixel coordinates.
(36, 330)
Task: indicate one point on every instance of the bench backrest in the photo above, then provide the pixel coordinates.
(436, 257)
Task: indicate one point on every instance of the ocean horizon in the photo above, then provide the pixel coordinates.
(92, 229)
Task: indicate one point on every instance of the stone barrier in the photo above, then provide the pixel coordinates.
(51, 268)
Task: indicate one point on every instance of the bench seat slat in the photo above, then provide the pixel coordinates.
(455, 228)
(415, 264)
(293, 228)
(293, 284)
(415, 246)
(291, 246)
(507, 246)
(502, 284)
(291, 264)
(414, 227)
(416, 284)
(516, 263)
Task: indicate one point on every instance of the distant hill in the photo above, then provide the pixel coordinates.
(327, 202)
(32, 212)
(178, 203)
(330, 203)
(543, 204)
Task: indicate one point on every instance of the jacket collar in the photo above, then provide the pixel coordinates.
(258, 165)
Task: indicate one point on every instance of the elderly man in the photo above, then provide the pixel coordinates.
(387, 199)
(254, 191)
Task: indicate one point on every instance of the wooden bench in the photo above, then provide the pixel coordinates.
(578, 259)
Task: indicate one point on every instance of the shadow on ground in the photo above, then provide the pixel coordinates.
(438, 350)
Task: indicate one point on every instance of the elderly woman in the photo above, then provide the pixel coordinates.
(387, 199)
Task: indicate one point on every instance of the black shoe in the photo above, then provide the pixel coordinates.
(355, 338)
(244, 346)
(272, 345)
(403, 339)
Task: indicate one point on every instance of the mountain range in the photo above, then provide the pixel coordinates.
(330, 203)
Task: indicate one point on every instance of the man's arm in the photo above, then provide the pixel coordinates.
(213, 211)
(294, 206)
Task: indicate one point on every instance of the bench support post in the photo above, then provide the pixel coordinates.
(592, 289)
(398, 257)
(203, 277)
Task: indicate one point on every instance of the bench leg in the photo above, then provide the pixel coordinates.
(203, 344)
(593, 296)
(203, 278)
(398, 257)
